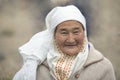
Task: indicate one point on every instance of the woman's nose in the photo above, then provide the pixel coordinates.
(70, 38)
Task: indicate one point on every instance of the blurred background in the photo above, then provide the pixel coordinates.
(21, 19)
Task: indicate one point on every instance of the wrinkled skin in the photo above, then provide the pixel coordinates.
(69, 37)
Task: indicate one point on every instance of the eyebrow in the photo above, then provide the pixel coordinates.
(76, 28)
(63, 29)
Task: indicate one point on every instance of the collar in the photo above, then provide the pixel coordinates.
(93, 56)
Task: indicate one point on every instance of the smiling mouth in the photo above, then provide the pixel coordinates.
(70, 46)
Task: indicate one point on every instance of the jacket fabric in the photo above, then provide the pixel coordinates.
(97, 67)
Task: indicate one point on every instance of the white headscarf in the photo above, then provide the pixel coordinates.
(41, 46)
(57, 61)
(34, 52)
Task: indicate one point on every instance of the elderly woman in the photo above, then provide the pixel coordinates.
(65, 50)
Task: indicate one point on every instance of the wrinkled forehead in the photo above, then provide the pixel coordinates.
(69, 22)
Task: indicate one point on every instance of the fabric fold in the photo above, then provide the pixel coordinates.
(28, 71)
(37, 48)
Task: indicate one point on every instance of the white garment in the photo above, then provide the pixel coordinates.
(34, 53)
(38, 47)
(41, 47)
(28, 71)
(78, 62)
(56, 16)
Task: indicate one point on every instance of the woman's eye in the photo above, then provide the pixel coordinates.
(76, 32)
(63, 32)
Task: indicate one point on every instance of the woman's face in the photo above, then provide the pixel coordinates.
(69, 36)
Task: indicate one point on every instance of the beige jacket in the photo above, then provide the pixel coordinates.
(97, 67)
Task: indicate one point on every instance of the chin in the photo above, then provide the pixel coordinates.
(71, 53)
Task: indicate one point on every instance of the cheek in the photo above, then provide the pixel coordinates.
(59, 39)
(80, 38)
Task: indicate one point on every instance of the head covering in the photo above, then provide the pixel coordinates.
(63, 66)
(41, 45)
(60, 14)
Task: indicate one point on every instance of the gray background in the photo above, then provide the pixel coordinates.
(21, 19)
